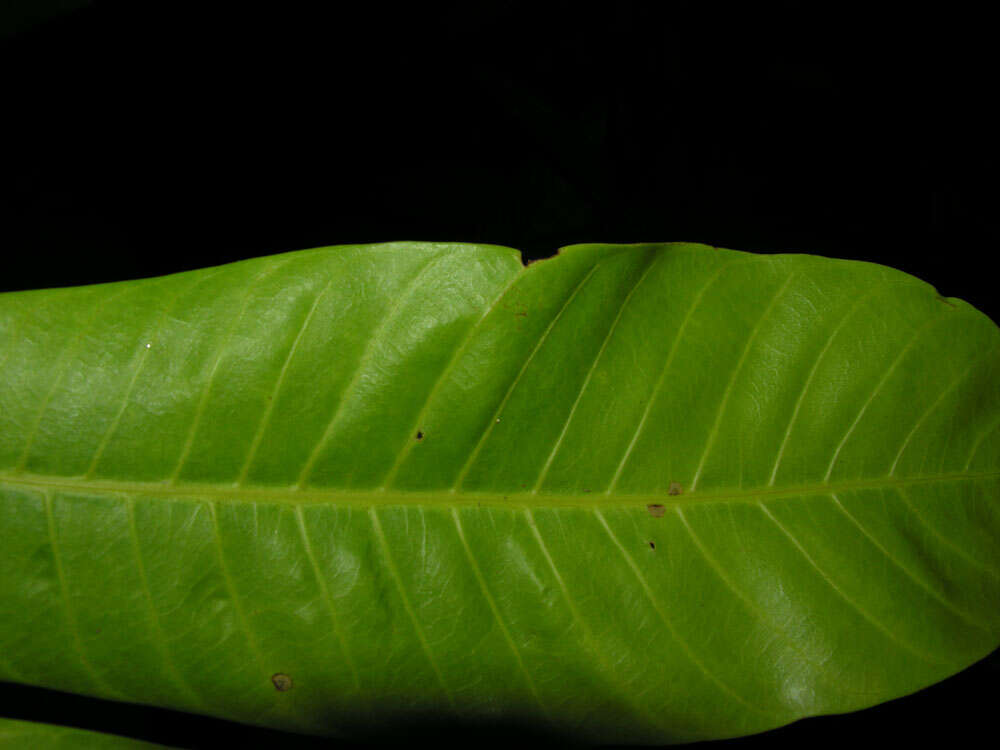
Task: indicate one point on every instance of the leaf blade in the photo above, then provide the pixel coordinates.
(463, 456)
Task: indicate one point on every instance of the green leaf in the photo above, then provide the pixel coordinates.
(642, 493)
(22, 734)
(18, 16)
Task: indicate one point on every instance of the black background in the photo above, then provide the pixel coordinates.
(146, 138)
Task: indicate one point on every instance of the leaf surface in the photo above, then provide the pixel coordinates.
(22, 734)
(643, 493)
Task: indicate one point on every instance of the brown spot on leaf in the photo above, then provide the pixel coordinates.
(420, 435)
(947, 301)
(282, 682)
(652, 544)
(675, 489)
(656, 511)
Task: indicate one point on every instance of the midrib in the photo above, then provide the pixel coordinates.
(449, 499)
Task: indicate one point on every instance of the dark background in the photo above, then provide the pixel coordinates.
(146, 138)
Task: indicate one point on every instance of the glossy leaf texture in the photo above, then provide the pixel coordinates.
(643, 493)
(22, 734)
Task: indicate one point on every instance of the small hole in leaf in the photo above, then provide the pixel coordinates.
(656, 511)
(652, 544)
(675, 489)
(420, 435)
